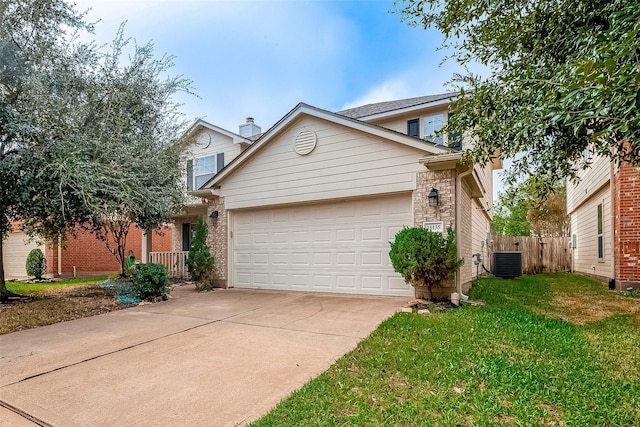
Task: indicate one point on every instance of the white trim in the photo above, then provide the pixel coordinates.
(237, 139)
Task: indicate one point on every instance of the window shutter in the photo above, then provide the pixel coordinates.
(413, 128)
(189, 175)
(455, 141)
(186, 236)
(219, 162)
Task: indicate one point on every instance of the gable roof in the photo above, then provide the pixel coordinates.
(204, 124)
(305, 109)
(393, 107)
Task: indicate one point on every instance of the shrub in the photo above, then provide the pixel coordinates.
(150, 280)
(36, 264)
(199, 262)
(423, 257)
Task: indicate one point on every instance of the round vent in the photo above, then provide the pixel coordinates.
(305, 142)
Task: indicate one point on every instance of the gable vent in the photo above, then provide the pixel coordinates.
(305, 142)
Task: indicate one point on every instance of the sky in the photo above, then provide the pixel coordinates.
(252, 58)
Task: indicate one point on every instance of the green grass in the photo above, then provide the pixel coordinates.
(29, 288)
(551, 349)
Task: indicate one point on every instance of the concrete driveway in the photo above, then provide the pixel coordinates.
(222, 358)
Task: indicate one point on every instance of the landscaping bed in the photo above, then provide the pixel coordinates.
(56, 304)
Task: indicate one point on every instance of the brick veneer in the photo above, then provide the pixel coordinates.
(627, 226)
(217, 241)
(89, 255)
(445, 182)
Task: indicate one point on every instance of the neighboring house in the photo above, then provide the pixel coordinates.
(604, 206)
(79, 255)
(313, 203)
(213, 148)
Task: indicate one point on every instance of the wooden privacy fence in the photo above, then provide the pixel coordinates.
(539, 254)
(176, 262)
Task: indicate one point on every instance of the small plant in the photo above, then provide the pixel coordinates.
(423, 257)
(150, 281)
(36, 265)
(199, 261)
(633, 293)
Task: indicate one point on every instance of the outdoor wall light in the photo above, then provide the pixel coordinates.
(213, 218)
(434, 199)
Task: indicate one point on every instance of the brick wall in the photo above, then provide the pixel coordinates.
(217, 241)
(90, 256)
(627, 226)
(445, 182)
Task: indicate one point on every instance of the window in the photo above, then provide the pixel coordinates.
(188, 231)
(413, 128)
(586, 155)
(600, 236)
(202, 169)
(432, 124)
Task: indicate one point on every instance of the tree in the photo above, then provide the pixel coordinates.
(134, 144)
(83, 139)
(565, 77)
(39, 78)
(521, 211)
(424, 257)
(199, 261)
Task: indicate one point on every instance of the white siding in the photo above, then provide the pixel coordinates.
(399, 123)
(480, 231)
(345, 163)
(584, 225)
(219, 143)
(16, 248)
(591, 180)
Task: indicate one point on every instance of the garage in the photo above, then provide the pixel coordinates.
(16, 248)
(339, 246)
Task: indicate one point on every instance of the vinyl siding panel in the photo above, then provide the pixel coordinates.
(591, 180)
(399, 123)
(345, 163)
(584, 225)
(219, 143)
(480, 231)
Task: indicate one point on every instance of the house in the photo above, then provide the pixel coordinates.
(312, 203)
(604, 207)
(81, 254)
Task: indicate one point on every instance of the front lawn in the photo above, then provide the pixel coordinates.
(555, 349)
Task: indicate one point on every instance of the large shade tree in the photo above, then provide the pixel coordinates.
(85, 139)
(564, 77)
(39, 66)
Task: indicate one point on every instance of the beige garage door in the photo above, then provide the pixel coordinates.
(334, 247)
(15, 250)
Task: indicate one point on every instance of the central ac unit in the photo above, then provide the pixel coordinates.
(507, 265)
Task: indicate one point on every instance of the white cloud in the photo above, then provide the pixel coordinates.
(387, 91)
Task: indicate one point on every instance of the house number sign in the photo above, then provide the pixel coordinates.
(435, 226)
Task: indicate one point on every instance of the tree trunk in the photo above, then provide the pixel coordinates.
(3, 284)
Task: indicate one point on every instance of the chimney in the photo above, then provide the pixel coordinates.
(249, 128)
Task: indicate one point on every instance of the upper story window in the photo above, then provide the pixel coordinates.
(432, 124)
(202, 169)
(413, 128)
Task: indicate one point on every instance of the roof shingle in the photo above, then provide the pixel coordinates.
(385, 107)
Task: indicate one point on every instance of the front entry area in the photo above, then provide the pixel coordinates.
(340, 246)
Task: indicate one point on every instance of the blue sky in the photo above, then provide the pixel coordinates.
(261, 58)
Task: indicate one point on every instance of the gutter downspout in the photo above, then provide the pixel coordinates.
(458, 221)
(59, 255)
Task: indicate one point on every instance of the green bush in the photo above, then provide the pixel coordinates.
(199, 262)
(150, 280)
(36, 264)
(423, 257)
